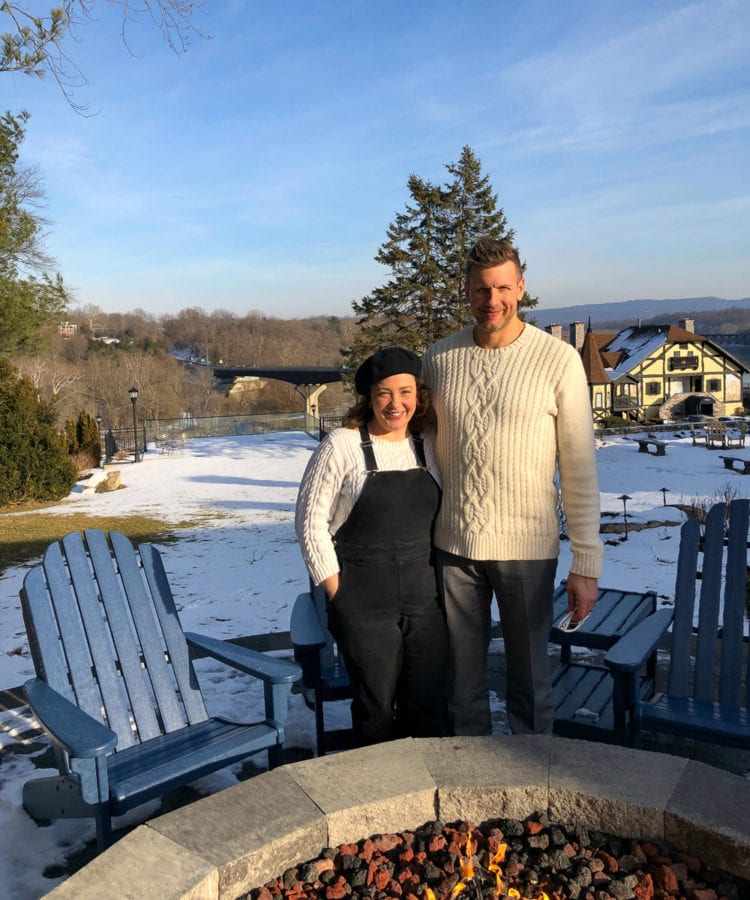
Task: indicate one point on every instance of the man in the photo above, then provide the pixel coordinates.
(512, 406)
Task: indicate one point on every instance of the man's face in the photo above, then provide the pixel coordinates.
(493, 295)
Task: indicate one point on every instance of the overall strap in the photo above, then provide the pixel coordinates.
(366, 444)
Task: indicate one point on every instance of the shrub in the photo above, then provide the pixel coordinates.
(34, 464)
(83, 440)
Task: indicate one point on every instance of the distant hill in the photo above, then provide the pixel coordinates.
(627, 312)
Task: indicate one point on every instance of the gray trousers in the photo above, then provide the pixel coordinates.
(524, 590)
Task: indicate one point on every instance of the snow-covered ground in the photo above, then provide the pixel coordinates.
(238, 571)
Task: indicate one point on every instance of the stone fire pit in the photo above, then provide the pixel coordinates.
(238, 839)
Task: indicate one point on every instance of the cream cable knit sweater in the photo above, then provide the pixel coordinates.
(507, 418)
(333, 480)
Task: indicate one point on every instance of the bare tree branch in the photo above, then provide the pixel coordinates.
(35, 45)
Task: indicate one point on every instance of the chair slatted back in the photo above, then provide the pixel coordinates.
(715, 671)
(95, 621)
(735, 609)
(328, 654)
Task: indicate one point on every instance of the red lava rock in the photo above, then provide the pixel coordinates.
(348, 850)
(437, 842)
(381, 879)
(570, 850)
(649, 849)
(644, 890)
(511, 869)
(410, 883)
(265, 894)
(596, 864)
(368, 848)
(335, 891)
(665, 879)
(532, 827)
(610, 863)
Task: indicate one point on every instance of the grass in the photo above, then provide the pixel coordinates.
(26, 535)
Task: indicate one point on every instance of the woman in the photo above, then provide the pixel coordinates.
(367, 502)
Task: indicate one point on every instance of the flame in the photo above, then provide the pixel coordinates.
(467, 867)
(429, 894)
(467, 874)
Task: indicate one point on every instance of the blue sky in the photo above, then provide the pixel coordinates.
(260, 170)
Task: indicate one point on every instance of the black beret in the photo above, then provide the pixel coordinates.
(384, 363)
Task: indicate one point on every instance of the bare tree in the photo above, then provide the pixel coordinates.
(37, 45)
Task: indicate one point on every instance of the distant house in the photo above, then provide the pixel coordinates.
(650, 372)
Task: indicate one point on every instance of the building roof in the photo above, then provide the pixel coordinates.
(609, 356)
(592, 360)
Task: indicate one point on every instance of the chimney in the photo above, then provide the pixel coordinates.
(577, 333)
(687, 324)
(555, 331)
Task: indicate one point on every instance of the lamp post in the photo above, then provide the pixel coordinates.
(99, 435)
(664, 492)
(625, 498)
(133, 399)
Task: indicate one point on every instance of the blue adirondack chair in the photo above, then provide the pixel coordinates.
(116, 690)
(324, 674)
(705, 697)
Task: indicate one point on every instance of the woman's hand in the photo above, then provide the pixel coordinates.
(331, 585)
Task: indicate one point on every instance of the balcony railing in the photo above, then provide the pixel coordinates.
(677, 363)
(621, 403)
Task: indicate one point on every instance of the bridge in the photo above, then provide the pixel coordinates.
(729, 340)
(309, 381)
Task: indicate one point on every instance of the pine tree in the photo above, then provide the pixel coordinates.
(34, 464)
(30, 298)
(425, 249)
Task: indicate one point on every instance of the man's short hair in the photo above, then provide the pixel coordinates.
(489, 252)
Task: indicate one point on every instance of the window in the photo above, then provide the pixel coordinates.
(713, 384)
(683, 346)
(598, 400)
(652, 387)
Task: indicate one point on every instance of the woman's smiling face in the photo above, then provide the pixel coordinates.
(394, 401)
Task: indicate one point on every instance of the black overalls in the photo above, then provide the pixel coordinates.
(386, 614)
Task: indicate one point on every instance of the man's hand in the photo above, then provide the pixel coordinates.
(582, 594)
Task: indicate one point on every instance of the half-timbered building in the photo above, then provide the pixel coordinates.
(649, 372)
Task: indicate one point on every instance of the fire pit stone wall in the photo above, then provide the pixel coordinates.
(228, 843)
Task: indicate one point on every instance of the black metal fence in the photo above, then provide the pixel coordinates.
(122, 440)
(154, 433)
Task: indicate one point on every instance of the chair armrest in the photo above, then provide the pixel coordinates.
(267, 668)
(304, 625)
(72, 729)
(635, 647)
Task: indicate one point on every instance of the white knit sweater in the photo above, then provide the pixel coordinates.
(333, 480)
(507, 419)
